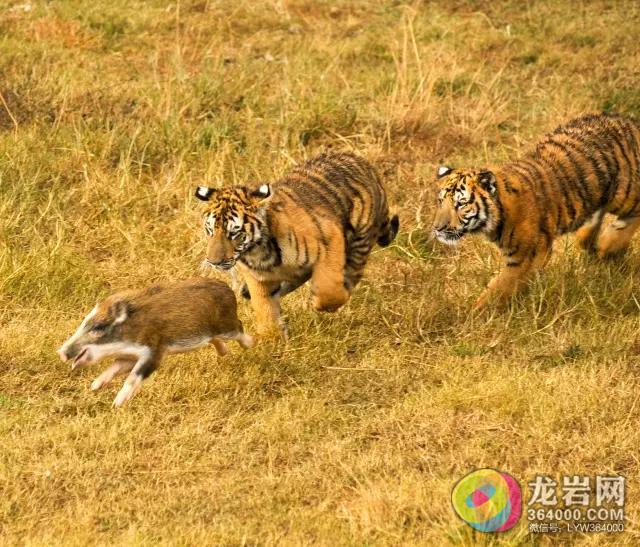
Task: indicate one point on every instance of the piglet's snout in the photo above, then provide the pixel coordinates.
(63, 354)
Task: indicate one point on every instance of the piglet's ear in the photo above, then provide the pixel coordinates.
(204, 192)
(262, 192)
(488, 181)
(121, 310)
(443, 171)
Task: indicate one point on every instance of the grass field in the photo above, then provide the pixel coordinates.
(354, 432)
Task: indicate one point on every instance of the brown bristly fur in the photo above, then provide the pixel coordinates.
(169, 312)
(138, 327)
(582, 170)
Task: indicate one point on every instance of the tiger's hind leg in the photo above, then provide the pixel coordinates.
(588, 233)
(358, 251)
(389, 231)
(327, 279)
(616, 237)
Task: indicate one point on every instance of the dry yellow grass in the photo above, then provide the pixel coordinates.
(355, 432)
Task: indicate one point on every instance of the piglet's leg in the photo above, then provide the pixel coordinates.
(145, 365)
(245, 340)
(220, 346)
(119, 366)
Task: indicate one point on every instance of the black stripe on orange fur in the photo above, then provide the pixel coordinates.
(586, 167)
(321, 221)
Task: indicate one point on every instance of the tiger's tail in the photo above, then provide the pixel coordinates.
(389, 230)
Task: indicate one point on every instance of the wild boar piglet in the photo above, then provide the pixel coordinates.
(138, 327)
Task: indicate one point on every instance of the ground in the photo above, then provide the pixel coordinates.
(355, 432)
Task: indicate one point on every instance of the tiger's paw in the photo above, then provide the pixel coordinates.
(272, 334)
(326, 303)
(609, 248)
(481, 303)
(489, 298)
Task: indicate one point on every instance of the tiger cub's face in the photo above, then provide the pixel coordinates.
(465, 203)
(233, 222)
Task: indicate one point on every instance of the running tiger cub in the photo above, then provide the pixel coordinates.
(319, 222)
(576, 174)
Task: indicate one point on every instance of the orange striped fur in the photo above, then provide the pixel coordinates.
(582, 170)
(319, 222)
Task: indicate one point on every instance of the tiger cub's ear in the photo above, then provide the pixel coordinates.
(443, 171)
(204, 193)
(488, 181)
(262, 192)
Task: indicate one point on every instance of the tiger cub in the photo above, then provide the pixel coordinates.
(319, 222)
(576, 174)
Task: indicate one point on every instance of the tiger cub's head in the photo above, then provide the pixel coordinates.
(466, 204)
(234, 221)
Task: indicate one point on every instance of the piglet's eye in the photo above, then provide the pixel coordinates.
(98, 328)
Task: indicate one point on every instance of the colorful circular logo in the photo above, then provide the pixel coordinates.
(488, 500)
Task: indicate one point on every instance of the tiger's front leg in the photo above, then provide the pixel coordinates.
(503, 285)
(518, 269)
(266, 307)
